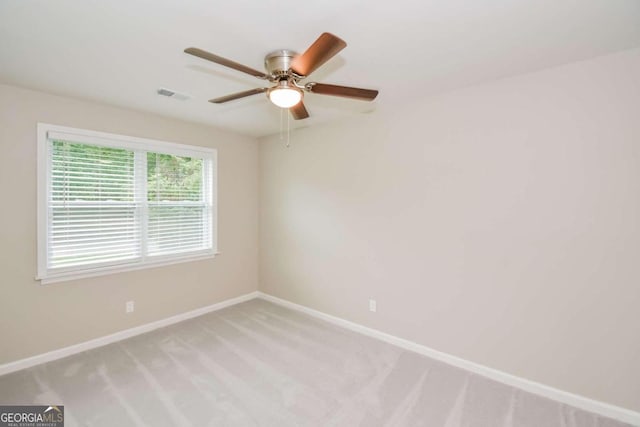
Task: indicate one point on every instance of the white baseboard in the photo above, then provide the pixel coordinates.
(118, 336)
(571, 399)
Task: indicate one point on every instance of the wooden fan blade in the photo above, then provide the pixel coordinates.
(223, 61)
(238, 95)
(344, 91)
(298, 111)
(322, 50)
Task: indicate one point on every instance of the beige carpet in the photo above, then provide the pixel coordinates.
(258, 364)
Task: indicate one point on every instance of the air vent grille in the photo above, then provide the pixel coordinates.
(172, 94)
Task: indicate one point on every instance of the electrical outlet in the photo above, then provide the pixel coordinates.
(129, 307)
(373, 306)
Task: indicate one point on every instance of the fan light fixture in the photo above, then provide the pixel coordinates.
(284, 95)
(285, 71)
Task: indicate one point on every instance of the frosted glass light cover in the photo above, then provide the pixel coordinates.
(285, 97)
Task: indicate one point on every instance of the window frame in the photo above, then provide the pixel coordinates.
(138, 145)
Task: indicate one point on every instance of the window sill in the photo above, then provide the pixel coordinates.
(68, 276)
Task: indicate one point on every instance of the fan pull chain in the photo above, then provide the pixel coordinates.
(281, 126)
(288, 129)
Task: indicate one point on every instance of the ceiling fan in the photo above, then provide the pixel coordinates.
(285, 69)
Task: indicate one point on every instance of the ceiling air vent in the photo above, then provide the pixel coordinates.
(173, 94)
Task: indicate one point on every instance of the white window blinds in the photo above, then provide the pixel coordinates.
(93, 214)
(178, 206)
(110, 201)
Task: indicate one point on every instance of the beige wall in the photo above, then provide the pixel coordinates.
(34, 318)
(499, 223)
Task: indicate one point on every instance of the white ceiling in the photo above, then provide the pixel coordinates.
(120, 51)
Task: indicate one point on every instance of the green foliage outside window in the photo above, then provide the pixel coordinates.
(173, 178)
(83, 172)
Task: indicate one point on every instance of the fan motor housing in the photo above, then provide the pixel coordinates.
(277, 63)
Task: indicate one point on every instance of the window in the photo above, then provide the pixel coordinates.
(112, 203)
